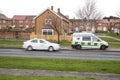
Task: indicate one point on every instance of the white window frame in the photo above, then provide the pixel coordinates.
(47, 30)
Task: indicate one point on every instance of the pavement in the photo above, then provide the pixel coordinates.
(108, 49)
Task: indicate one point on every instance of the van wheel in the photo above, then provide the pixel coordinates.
(78, 47)
(29, 48)
(50, 49)
(102, 47)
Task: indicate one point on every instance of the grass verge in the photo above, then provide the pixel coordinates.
(11, 77)
(109, 39)
(61, 64)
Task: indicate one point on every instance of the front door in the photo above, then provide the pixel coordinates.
(95, 42)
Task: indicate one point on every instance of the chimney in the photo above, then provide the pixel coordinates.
(51, 7)
(58, 10)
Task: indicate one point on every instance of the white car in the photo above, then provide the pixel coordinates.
(40, 44)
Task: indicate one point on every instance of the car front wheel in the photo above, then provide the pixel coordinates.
(102, 47)
(50, 49)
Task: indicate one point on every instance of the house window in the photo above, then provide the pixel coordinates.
(4, 21)
(26, 21)
(20, 21)
(21, 25)
(47, 31)
(48, 21)
(33, 21)
(13, 21)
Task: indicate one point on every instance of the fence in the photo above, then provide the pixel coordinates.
(51, 37)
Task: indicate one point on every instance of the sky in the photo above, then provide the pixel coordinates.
(67, 7)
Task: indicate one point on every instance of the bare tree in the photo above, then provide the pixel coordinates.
(54, 24)
(118, 14)
(88, 12)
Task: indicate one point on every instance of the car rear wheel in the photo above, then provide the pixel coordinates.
(29, 48)
(50, 49)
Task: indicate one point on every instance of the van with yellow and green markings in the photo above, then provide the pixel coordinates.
(87, 40)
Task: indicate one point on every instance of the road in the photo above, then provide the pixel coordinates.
(75, 54)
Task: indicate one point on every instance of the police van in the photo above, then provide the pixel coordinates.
(87, 40)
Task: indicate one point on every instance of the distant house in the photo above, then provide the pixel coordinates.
(80, 25)
(23, 21)
(117, 28)
(4, 21)
(102, 25)
(50, 22)
(109, 25)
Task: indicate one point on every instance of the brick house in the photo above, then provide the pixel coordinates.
(79, 25)
(117, 28)
(105, 24)
(95, 25)
(23, 21)
(50, 22)
(4, 21)
(102, 25)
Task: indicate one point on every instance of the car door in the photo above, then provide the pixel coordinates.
(34, 43)
(43, 45)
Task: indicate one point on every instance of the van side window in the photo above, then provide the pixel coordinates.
(86, 38)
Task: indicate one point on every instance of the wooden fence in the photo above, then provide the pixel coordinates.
(51, 37)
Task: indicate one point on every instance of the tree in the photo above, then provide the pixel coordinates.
(54, 24)
(88, 12)
(118, 14)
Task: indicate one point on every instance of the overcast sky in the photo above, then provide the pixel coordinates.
(67, 7)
